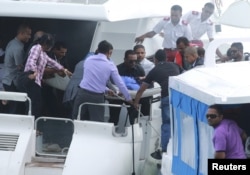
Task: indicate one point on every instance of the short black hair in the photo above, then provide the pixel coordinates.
(176, 8)
(23, 27)
(160, 55)
(104, 47)
(129, 52)
(238, 45)
(47, 39)
(60, 44)
(138, 46)
(182, 39)
(209, 5)
(218, 108)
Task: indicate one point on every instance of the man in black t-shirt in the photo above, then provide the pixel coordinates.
(129, 68)
(160, 74)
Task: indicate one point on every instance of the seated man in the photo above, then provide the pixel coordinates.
(192, 57)
(227, 137)
(129, 70)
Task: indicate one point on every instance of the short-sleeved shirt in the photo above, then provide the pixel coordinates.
(227, 138)
(14, 56)
(147, 65)
(199, 28)
(171, 32)
(161, 73)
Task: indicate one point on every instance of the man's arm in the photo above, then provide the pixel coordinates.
(222, 57)
(139, 93)
(219, 155)
(141, 38)
(188, 33)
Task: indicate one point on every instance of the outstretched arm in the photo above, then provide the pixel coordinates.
(141, 38)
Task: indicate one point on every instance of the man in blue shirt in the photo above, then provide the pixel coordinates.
(98, 69)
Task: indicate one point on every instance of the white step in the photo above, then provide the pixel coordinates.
(42, 166)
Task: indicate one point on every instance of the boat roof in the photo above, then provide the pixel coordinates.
(93, 10)
(225, 83)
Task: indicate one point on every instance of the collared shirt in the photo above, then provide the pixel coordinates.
(14, 56)
(97, 72)
(172, 33)
(147, 65)
(199, 28)
(37, 61)
(227, 138)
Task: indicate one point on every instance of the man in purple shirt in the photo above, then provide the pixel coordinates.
(228, 137)
(98, 69)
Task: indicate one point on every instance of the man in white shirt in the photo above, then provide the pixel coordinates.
(173, 28)
(200, 22)
(144, 62)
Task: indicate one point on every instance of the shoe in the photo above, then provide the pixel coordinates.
(157, 154)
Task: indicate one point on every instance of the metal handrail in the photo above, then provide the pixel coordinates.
(98, 104)
(16, 96)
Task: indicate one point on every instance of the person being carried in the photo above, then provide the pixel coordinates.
(228, 137)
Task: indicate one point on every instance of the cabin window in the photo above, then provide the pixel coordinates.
(54, 136)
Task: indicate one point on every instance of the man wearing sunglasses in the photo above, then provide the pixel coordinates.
(132, 74)
(236, 52)
(228, 137)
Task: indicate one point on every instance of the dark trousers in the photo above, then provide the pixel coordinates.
(49, 101)
(14, 107)
(89, 112)
(114, 112)
(34, 93)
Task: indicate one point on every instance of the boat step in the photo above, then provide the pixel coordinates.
(44, 165)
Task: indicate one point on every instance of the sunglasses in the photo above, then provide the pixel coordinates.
(212, 116)
(234, 51)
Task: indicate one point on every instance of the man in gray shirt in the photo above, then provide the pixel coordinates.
(13, 61)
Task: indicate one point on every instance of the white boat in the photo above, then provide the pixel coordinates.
(68, 147)
(193, 91)
(94, 148)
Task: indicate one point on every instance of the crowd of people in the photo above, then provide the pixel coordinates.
(95, 76)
